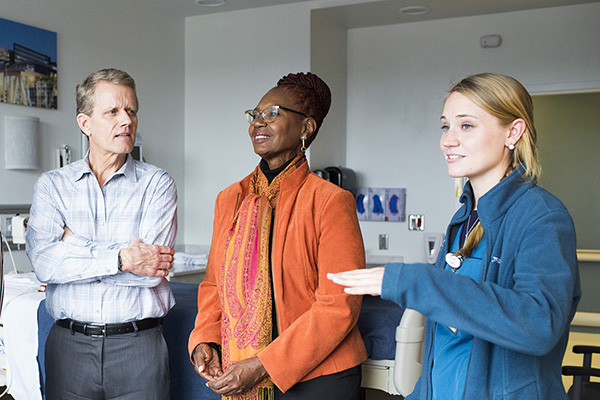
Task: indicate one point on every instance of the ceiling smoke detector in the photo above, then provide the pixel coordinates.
(210, 3)
(414, 10)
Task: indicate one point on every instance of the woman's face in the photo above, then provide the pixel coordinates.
(474, 143)
(280, 140)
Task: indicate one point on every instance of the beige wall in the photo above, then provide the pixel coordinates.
(569, 140)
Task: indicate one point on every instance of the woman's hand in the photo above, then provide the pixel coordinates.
(206, 360)
(239, 378)
(360, 281)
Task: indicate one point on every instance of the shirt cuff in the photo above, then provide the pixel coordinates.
(107, 262)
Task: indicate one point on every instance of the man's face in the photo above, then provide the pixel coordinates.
(112, 126)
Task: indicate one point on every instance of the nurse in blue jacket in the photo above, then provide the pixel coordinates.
(505, 287)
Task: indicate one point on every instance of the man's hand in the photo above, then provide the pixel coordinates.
(239, 378)
(67, 233)
(146, 259)
(207, 363)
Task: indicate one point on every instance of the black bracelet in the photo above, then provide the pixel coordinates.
(120, 264)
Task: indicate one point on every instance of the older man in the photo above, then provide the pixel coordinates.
(101, 235)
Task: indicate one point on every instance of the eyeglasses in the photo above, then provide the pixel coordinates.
(269, 114)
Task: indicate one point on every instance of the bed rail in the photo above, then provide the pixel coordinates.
(409, 351)
(588, 255)
(587, 319)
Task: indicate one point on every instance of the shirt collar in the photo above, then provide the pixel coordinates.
(496, 202)
(128, 169)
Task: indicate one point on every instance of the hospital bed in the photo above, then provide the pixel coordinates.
(396, 370)
(393, 337)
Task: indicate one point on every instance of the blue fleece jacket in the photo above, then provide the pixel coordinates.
(518, 311)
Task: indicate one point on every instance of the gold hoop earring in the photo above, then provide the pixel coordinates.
(303, 148)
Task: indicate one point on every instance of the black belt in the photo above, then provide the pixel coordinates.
(103, 330)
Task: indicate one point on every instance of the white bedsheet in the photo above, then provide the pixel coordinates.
(19, 317)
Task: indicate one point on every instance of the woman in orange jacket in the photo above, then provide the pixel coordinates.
(270, 324)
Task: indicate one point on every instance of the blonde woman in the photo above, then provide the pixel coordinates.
(505, 287)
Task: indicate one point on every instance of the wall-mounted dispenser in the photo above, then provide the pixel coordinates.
(377, 204)
(343, 177)
(362, 203)
(433, 242)
(395, 204)
(381, 204)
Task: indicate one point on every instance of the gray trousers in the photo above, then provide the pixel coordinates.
(131, 366)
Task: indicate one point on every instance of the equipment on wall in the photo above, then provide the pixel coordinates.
(21, 142)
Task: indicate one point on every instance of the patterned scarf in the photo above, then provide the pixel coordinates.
(246, 298)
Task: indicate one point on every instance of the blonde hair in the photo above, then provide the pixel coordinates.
(472, 241)
(506, 99)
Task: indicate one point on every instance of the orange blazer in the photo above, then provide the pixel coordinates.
(315, 232)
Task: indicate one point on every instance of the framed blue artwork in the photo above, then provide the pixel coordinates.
(28, 72)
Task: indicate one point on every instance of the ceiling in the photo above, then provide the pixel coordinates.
(357, 13)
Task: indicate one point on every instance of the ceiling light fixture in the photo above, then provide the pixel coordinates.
(415, 10)
(210, 3)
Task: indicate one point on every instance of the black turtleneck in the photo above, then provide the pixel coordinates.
(271, 174)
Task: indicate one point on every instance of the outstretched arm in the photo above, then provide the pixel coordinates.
(360, 281)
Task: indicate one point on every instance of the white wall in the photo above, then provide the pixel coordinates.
(102, 34)
(94, 35)
(397, 78)
(232, 60)
(394, 104)
(329, 60)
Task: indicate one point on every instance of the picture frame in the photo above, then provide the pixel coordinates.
(28, 68)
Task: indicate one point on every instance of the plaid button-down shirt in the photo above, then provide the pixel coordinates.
(81, 272)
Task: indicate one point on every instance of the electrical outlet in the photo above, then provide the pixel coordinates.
(384, 241)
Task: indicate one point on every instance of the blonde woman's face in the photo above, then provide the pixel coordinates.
(473, 143)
